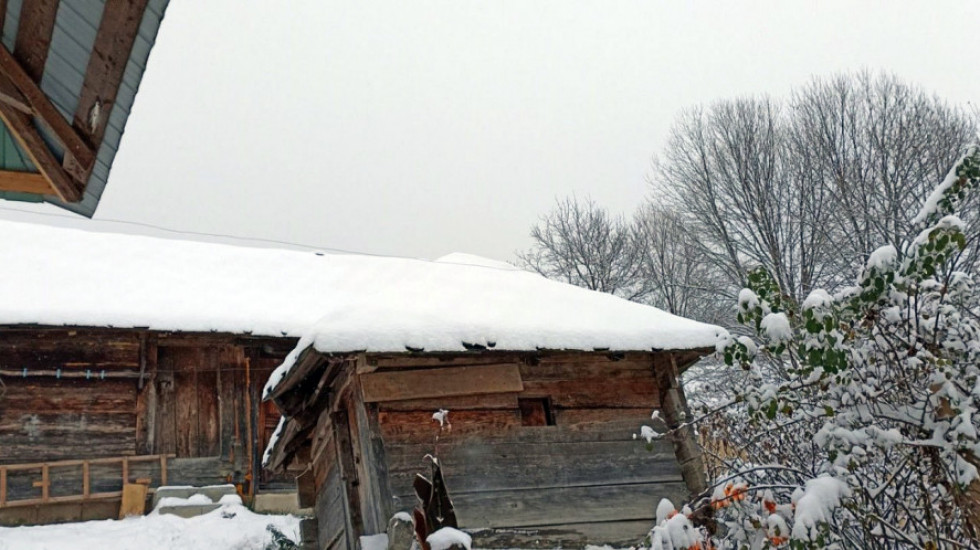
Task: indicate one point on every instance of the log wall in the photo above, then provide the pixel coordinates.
(92, 393)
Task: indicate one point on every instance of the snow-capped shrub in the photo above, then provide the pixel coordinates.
(869, 439)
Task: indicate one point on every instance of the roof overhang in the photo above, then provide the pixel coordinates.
(69, 72)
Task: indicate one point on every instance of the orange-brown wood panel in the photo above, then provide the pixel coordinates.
(24, 182)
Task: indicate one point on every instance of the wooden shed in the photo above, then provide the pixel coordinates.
(546, 386)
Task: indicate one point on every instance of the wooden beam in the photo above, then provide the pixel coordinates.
(435, 383)
(24, 182)
(110, 53)
(3, 13)
(34, 30)
(22, 128)
(82, 156)
(673, 404)
(16, 101)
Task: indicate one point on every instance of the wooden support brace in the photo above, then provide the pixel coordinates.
(86, 480)
(45, 483)
(125, 471)
(41, 106)
(674, 407)
(22, 128)
(3, 487)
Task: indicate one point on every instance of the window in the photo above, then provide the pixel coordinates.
(536, 412)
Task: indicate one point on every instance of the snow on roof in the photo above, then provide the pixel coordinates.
(59, 276)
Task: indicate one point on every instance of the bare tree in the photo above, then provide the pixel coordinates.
(681, 281)
(877, 146)
(808, 188)
(582, 244)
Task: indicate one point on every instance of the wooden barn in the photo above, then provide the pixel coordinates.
(545, 384)
(132, 358)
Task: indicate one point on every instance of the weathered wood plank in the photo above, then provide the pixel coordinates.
(407, 361)
(69, 396)
(110, 52)
(615, 534)
(348, 471)
(461, 403)
(33, 39)
(444, 382)
(413, 426)
(186, 364)
(209, 434)
(71, 353)
(543, 507)
(500, 466)
(571, 370)
(331, 512)
(601, 392)
(408, 427)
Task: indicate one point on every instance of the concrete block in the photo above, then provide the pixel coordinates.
(188, 511)
(214, 492)
(279, 503)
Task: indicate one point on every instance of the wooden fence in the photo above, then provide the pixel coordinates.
(78, 480)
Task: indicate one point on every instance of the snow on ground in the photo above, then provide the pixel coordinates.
(231, 527)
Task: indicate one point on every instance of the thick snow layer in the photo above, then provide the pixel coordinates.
(776, 327)
(816, 505)
(447, 537)
(374, 542)
(232, 527)
(59, 276)
(931, 206)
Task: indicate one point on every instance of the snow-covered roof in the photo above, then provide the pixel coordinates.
(339, 303)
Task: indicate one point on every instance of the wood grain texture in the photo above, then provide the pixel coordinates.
(113, 43)
(542, 507)
(50, 419)
(331, 514)
(33, 41)
(24, 182)
(617, 534)
(444, 382)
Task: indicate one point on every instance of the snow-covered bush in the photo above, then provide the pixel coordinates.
(861, 409)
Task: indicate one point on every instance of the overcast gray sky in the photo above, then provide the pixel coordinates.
(427, 127)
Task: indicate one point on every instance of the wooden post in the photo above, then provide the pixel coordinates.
(125, 470)
(163, 470)
(45, 483)
(86, 480)
(674, 406)
(3, 487)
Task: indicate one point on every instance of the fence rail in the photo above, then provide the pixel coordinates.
(85, 491)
